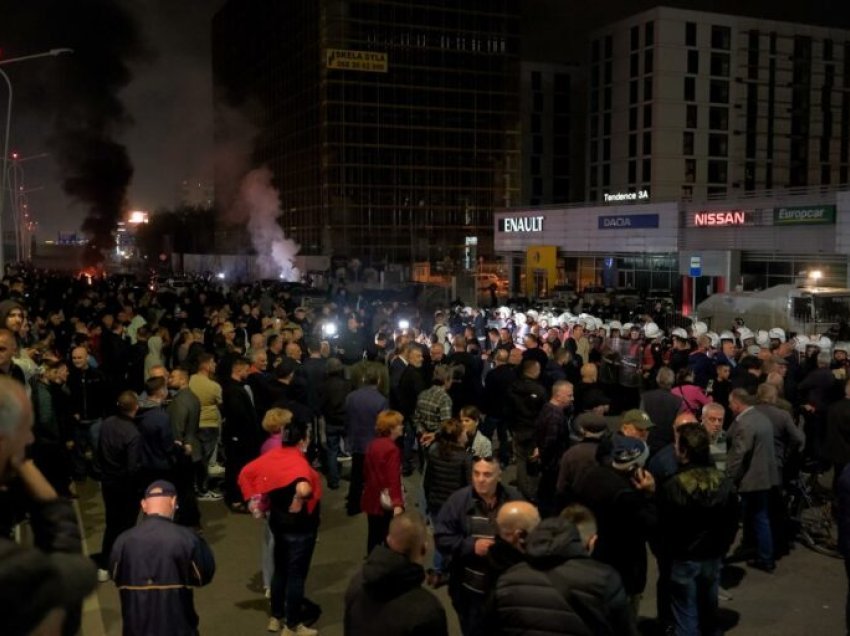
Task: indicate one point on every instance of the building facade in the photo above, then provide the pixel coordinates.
(392, 129)
(700, 106)
(746, 243)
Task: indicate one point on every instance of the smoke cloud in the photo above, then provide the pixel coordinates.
(79, 94)
(259, 201)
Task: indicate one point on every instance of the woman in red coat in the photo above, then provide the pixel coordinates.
(382, 473)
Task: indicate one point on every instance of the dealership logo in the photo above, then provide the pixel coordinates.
(812, 215)
(521, 224)
(721, 218)
(628, 221)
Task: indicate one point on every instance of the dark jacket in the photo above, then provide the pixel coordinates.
(496, 386)
(526, 398)
(552, 436)
(838, 432)
(332, 401)
(626, 520)
(88, 393)
(385, 598)
(662, 408)
(842, 492)
(157, 438)
(463, 519)
(154, 566)
(561, 590)
(240, 424)
(447, 470)
(410, 385)
(184, 411)
(697, 514)
(119, 452)
(362, 407)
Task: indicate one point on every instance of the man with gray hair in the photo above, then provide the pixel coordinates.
(713, 416)
(751, 464)
(433, 406)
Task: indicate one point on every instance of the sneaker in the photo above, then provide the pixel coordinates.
(300, 630)
(267, 592)
(274, 624)
(103, 575)
(210, 495)
(214, 470)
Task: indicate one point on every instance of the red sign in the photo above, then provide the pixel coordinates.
(720, 218)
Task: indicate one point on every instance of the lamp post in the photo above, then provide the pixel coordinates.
(5, 178)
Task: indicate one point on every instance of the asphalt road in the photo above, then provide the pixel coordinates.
(804, 596)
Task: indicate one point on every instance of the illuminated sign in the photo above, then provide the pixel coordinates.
(721, 218)
(137, 216)
(809, 215)
(628, 221)
(346, 60)
(521, 224)
(617, 197)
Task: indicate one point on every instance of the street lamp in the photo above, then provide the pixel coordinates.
(5, 178)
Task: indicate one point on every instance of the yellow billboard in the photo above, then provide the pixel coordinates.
(541, 270)
(367, 61)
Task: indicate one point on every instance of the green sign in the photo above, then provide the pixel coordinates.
(807, 215)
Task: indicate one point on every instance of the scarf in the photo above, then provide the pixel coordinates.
(279, 468)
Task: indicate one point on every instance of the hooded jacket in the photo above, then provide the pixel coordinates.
(560, 589)
(385, 598)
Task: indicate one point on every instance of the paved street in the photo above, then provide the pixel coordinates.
(804, 596)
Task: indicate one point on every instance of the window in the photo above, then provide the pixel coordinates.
(594, 177)
(632, 171)
(717, 171)
(649, 34)
(718, 92)
(690, 170)
(635, 38)
(718, 118)
(647, 89)
(647, 116)
(594, 51)
(647, 169)
(750, 176)
(690, 33)
(594, 101)
(606, 150)
(690, 89)
(633, 118)
(594, 127)
(608, 72)
(606, 124)
(827, 50)
(606, 175)
(693, 62)
(687, 143)
(718, 145)
(773, 42)
(720, 64)
(632, 145)
(825, 175)
(537, 186)
(607, 103)
(538, 102)
(690, 116)
(647, 142)
(647, 61)
(609, 46)
(594, 152)
(634, 65)
(562, 82)
(537, 145)
(633, 92)
(535, 165)
(721, 37)
(536, 81)
(536, 125)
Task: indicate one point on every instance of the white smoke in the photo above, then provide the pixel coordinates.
(259, 201)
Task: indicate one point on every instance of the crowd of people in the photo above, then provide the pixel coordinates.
(625, 441)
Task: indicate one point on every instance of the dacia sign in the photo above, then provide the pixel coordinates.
(521, 224)
(628, 221)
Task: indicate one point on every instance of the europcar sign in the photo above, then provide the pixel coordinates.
(806, 215)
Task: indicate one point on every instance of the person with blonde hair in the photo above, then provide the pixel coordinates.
(382, 492)
(275, 420)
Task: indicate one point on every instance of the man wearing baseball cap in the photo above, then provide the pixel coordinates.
(636, 423)
(156, 564)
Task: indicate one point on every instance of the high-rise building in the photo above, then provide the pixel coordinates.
(694, 105)
(391, 128)
(552, 133)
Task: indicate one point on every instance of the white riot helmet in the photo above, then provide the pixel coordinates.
(564, 317)
(651, 330)
(627, 326)
(699, 328)
(841, 346)
(727, 335)
(531, 315)
(714, 338)
(615, 324)
(762, 339)
(519, 319)
(824, 343)
(678, 332)
(777, 334)
(745, 334)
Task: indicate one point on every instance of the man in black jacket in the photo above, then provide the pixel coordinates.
(89, 390)
(240, 431)
(560, 589)
(525, 400)
(335, 390)
(410, 385)
(496, 385)
(697, 521)
(386, 595)
(184, 412)
(119, 457)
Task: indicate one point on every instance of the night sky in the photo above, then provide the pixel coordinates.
(141, 78)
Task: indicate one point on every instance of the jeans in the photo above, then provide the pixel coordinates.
(694, 587)
(333, 436)
(755, 507)
(526, 482)
(267, 555)
(208, 438)
(408, 442)
(355, 484)
(379, 527)
(86, 436)
(292, 555)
